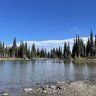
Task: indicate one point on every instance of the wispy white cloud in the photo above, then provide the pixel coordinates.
(49, 44)
(74, 29)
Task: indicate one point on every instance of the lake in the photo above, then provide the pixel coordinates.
(17, 75)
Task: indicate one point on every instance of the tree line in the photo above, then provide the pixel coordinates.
(79, 49)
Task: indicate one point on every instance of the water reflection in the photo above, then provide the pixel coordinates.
(20, 74)
(67, 61)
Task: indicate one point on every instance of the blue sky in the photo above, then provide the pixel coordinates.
(46, 19)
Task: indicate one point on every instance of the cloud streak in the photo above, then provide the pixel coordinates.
(49, 44)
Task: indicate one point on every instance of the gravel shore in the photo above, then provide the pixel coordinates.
(76, 88)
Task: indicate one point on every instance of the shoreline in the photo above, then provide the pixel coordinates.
(74, 88)
(75, 60)
(83, 60)
(13, 59)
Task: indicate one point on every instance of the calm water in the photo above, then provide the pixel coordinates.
(16, 75)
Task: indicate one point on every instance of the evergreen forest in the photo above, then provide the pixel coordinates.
(79, 49)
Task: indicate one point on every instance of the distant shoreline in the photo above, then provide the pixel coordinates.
(74, 60)
(83, 60)
(13, 59)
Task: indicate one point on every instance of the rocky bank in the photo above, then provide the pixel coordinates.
(76, 88)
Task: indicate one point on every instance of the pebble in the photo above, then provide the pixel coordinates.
(28, 90)
(5, 94)
(45, 91)
(53, 87)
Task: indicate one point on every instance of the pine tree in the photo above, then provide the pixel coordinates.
(65, 50)
(81, 48)
(68, 51)
(33, 51)
(59, 52)
(14, 49)
(88, 48)
(28, 53)
(77, 45)
(26, 48)
(42, 53)
(74, 49)
(78, 48)
(21, 49)
(14, 46)
(48, 54)
(38, 52)
(53, 53)
(3, 50)
(91, 44)
(95, 47)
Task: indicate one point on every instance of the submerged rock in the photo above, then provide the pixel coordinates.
(28, 90)
(53, 87)
(5, 94)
